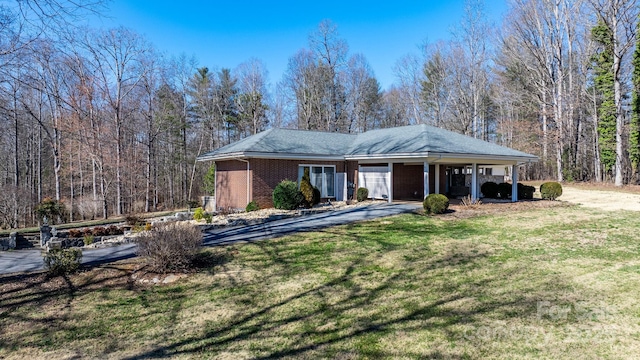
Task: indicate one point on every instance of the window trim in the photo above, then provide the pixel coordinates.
(323, 191)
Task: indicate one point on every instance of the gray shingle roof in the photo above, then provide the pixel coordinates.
(289, 142)
(414, 139)
(425, 139)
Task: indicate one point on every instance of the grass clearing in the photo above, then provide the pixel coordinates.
(557, 282)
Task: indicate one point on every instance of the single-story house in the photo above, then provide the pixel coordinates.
(400, 163)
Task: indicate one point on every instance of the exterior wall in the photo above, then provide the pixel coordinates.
(443, 179)
(267, 173)
(408, 181)
(231, 184)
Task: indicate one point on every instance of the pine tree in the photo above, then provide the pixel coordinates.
(604, 82)
(306, 188)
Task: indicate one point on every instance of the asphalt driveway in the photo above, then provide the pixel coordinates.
(31, 260)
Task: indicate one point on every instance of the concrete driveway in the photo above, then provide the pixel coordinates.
(31, 260)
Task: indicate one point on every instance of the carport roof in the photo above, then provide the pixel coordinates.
(413, 140)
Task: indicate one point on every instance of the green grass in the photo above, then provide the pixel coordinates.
(545, 283)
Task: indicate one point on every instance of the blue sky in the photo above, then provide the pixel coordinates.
(227, 33)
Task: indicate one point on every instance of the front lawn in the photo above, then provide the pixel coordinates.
(559, 282)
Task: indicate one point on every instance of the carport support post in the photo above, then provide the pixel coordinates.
(390, 182)
(514, 182)
(437, 176)
(426, 179)
(474, 182)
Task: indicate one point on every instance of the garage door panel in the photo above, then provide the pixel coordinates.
(376, 180)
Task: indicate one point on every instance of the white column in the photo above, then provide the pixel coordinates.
(474, 182)
(390, 182)
(514, 181)
(426, 178)
(437, 173)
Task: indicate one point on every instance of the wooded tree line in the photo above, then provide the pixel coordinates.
(102, 120)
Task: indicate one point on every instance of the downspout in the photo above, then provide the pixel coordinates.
(248, 179)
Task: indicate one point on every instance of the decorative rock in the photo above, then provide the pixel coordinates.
(45, 234)
(169, 279)
(12, 240)
(53, 244)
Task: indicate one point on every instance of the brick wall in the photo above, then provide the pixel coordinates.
(267, 173)
(408, 181)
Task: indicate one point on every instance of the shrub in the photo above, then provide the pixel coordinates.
(62, 261)
(76, 233)
(198, 214)
(252, 206)
(88, 239)
(436, 204)
(133, 220)
(170, 246)
(306, 188)
(504, 190)
(489, 189)
(550, 190)
(147, 227)
(98, 231)
(286, 195)
(362, 194)
(316, 196)
(525, 191)
(208, 218)
(113, 230)
(53, 210)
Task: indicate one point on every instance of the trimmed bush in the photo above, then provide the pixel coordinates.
(504, 190)
(306, 188)
(489, 189)
(170, 246)
(286, 195)
(252, 206)
(551, 190)
(436, 204)
(362, 194)
(198, 214)
(525, 192)
(62, 261)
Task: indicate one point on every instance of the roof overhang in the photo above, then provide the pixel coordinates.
(266, 155)
(433, 158)
(444, 158)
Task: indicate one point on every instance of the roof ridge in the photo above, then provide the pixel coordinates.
(264, 135)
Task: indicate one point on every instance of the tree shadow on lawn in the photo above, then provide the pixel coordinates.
(38, 311)
(361, 304)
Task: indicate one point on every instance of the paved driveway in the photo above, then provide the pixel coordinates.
(31, 260)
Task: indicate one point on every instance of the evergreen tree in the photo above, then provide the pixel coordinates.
(604, 82)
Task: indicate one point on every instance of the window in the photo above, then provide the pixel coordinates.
(322, 177)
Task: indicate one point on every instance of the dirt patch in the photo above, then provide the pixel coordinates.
(459, 211)
(608, 200)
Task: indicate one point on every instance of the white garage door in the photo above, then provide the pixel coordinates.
(376, 179)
